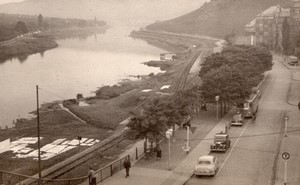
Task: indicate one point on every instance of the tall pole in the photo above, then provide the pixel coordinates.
(217, 100)
(168, 135)
(285, 125)
(38, 133)
(285, 172)
(169, 167)
(187, 139)
(217, 110)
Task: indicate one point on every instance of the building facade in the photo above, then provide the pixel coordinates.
(266, 28)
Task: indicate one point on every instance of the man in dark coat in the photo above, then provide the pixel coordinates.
(92, 178)
(127, 166)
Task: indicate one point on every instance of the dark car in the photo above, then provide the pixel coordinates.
(221, 142)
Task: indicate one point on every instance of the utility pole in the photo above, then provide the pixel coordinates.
(38, 134)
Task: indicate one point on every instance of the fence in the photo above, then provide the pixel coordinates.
(136, 152)
(9, 178)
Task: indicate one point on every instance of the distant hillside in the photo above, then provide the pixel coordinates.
(8, 23)
(218, 17)
(121, 12)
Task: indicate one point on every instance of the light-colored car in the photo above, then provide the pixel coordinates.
(206, 165)
(237, 120)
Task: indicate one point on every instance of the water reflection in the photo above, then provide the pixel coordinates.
(78, 65)
(22, 58)
(42, 54)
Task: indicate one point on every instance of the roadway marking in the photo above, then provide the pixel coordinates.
(232, 148)
(269, 85)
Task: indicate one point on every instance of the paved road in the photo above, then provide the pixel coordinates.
(254, 160)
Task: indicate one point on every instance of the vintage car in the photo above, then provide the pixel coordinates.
(221, 142)
(237, 120)
(206, 165)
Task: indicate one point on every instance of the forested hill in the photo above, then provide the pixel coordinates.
(218, 17)
(8, 24)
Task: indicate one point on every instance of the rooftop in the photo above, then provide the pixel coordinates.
(275, 11)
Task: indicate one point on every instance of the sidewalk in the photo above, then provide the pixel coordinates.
(290, 143)
(294, 95)
(155, 171)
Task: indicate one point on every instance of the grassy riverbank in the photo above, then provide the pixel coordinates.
(23, 46)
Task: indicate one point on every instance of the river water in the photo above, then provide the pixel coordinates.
(76, 66)
(81, 65)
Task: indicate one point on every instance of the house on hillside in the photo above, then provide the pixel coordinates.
(267, 26)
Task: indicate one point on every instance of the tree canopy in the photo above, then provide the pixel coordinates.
(232, 73)
(285, 35)
(227, 82)
(40, 21)
(158, 115)
(21, 27)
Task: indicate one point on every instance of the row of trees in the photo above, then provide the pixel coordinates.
(233, 73)
(163, 113)
(13, 24)
(230, 74)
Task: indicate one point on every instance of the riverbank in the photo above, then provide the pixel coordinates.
(21, 47)
(102, 112)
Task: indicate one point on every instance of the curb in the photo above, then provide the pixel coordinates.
(288, 98)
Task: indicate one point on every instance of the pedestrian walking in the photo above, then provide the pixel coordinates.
(158, 152)
(92, 178)
(253, 118)
(127, 166)
(299, 105)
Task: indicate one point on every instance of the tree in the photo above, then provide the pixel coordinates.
(157, 116)
(21, 28)
(212, 62)
(226, 82)
(188, 101)
(285, 35)
(229, 38)
(40, 21)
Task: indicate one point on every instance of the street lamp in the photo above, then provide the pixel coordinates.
(38, 134)
(168, 135)
(217, 99)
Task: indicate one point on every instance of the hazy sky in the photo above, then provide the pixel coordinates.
(9, 1)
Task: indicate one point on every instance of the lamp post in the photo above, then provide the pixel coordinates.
(38, 134)
(168, 135)
(217, 100)
(187, 139)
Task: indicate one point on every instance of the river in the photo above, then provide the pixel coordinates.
(81, 65)
(77, 66)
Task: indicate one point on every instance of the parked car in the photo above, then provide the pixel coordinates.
(207, 165)
(293, 60)
(237, 120)
(221, 142)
